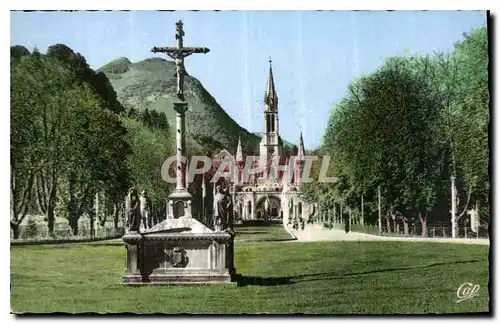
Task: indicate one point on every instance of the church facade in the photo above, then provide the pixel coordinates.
(270, 194)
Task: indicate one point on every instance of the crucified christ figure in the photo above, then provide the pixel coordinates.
(178, 54)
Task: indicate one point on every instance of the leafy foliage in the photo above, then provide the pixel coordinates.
(16, 52)
(406, 128)
(68, 143)
(37, 130)
(150, 148)
(98, 81)
(96, 147)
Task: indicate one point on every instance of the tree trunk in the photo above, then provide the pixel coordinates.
(388, 222)
(73, 223)
(101, 220)
(76, 205)
(73, 217)
(15, 230)
(116, 215)
(362, 211)
(104, 210)
(21, 193)
(46, 204)
(453, 208)
(478, 219)
(395, 226)
(341, 216)
(334, 213)
(406, 226)
(50, 219)
(46, 197)
(92, 228)
(90, 210)
(379, 213)
(424, 224)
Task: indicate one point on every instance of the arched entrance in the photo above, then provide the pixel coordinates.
(268, 207)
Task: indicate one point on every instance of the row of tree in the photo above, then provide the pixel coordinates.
(410, 140)
(73, 141)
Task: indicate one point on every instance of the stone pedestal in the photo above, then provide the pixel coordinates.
(179, 251)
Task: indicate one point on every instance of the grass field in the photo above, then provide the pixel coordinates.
(274, 277)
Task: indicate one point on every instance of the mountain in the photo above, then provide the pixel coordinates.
(151, 84)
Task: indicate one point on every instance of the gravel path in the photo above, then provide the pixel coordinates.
(316, 233)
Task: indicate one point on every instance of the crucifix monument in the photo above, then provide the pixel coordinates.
(179, 250)
(179, 204)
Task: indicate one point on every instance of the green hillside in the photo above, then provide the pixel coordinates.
(151, 84)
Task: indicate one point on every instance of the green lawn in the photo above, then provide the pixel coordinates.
(275, 277)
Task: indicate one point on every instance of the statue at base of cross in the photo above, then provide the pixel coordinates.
(224, 210)
(133, 211)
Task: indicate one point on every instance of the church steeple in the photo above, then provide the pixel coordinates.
(302, 152)
(239, 162)
(270, 98)
(239, 153)
(270, 145)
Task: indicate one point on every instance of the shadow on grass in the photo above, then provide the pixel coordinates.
(120, 243)
(255, 223)
(243, 281)
(265, 240)
(277, 240)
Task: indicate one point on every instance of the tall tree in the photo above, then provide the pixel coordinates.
(383, 134)
(95, 148)
(413, 128)
(24, 137)
(38, 84)
(460, 79)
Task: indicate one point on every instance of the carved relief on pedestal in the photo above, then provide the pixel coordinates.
(179, 258)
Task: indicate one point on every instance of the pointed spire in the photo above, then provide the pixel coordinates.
(271, 98)
(239, 153)
(302, 151)
(286, 177)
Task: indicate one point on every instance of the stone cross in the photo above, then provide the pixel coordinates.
(178, 54)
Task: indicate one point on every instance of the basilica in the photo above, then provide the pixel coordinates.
(261, 196)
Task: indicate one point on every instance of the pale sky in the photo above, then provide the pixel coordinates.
(315, 53)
